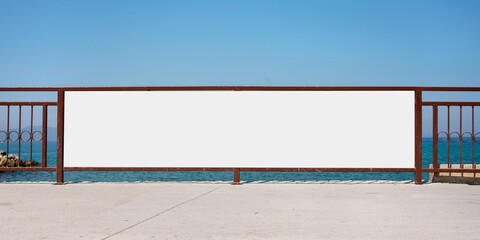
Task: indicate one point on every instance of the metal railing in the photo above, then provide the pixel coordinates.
(9, 134)
(461, 137)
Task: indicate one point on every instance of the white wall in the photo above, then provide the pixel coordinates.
(371, 129)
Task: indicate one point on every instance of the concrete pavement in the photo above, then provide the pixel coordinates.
(249, 211)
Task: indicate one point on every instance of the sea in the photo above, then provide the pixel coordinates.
(227, 176)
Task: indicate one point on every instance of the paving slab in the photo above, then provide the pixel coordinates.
(248, 211)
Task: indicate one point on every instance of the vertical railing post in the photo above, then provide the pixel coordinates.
(19, 133)
(8, 133)
(435, 138)
(44, 136)
(31, 135)
(418, 136)
(473, 140)
(236, 176)
(236, 171)
(448, 140)
(460, 140)
(60, 123)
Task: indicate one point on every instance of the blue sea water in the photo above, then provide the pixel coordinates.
(105, 176)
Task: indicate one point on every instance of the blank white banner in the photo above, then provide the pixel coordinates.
(344, 129)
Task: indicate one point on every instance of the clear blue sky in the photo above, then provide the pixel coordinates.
(325, 43)
(306, 43)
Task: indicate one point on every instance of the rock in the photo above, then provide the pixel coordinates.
(13, 160)
(29, 163)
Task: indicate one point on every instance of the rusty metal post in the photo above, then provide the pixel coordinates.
(8, 132)
(435, 138)
(460, 139)
(44, 136)
(19, 133)
(60, 123)
(418, 136)
(31, 135)
(236, 176)
(448, 140)
(473, 140)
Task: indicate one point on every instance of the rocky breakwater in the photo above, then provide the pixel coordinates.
(13, 160)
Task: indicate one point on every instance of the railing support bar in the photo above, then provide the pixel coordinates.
(236, 176)
(418, 137)
(60, 123)
(44, 136)
(435, 137)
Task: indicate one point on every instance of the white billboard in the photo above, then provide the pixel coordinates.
(300, 129)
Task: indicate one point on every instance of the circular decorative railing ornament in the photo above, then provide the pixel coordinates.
(25, 136)
(460, 137)
(475, 138)
(446, 136)
(28, 134)
(41, 136)
(463, 139)
(3, 136)
(10, 136)
(450, 137)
